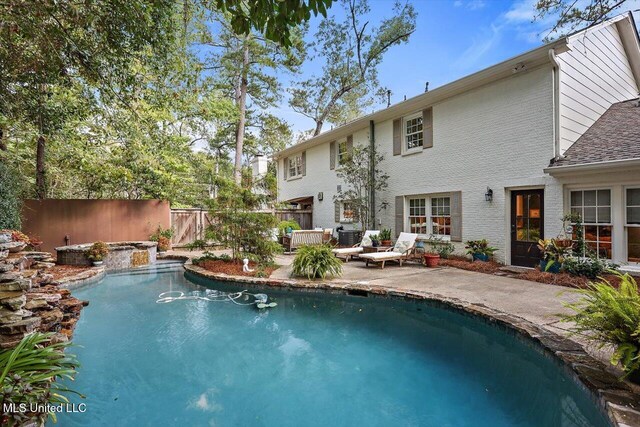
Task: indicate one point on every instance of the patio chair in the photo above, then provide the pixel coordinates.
(302, 237)
(356, 249)
(401, 251)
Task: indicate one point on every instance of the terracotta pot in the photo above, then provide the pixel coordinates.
(431, 260)
(386, 243)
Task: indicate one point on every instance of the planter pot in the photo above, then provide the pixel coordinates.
(386, 243)
(553, 268)
(431, 260)
(564, 243)
(375, 243)
(97, 263)
(481, 257)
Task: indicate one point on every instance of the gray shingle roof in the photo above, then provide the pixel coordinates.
(614, 136)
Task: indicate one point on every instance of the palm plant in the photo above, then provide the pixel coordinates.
(610, 316)
(28, 375)
(317, 261)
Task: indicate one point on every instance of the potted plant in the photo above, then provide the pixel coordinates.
(163, 237)
(97, 252)
(385, 237)
(375, 240)
(480, 250)
(553, 255)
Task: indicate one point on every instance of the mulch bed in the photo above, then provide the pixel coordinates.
(492, 267)
(232, 268)
(62, 271)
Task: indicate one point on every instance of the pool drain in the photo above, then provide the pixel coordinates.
(238, 298)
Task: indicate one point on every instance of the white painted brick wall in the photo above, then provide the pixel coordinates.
(499, 135)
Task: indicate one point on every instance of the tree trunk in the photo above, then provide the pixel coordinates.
(318, 129)
(41, 186)
(3, 143)
(241, 99)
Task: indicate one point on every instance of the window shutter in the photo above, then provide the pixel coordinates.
(399, 215)
(285, 169)
(456, 216)
(304, 163)
(332, 155)
(336, 207)
(427, 128)
(397, 137)
(350, 145)
(356, 215)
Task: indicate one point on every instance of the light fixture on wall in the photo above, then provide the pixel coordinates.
(488, 196)
(320, 196)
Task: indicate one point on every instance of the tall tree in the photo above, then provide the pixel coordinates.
(570, 14)
(246, 67)
(351, 49)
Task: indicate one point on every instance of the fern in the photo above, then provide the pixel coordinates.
(610, 316)
(316, 261)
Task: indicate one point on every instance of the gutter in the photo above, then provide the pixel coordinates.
(585, 167)
(372, 172)
(556, 104)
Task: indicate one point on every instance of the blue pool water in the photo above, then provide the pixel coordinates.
(314, 360)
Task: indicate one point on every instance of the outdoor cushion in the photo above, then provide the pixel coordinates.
(378, 256)
(344, 251)
(402, 246)
(366, 241)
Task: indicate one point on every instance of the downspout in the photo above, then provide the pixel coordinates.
(556, 105)
(372, 172)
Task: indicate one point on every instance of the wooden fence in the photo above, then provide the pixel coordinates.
(188, 225)
(304, 217)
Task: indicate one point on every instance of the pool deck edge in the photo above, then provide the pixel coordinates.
(618, 399)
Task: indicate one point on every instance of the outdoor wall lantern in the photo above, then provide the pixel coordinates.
(320, 196)
(488, 196)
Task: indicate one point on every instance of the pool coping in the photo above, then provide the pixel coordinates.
(616, 398)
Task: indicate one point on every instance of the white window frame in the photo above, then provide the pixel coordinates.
(343, 210)
(341, 155)
(596, 223)
(428, 226)
(295, 166)
(405, 134)
(626, 224)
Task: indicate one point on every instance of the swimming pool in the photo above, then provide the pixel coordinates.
(314, 360)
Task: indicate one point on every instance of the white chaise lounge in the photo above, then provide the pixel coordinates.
(357, 249)
(401, 250)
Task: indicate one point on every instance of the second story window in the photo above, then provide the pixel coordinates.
(413, 135)
(343, 152)
(295, 166)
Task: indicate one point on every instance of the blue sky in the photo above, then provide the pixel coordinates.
(452, 39)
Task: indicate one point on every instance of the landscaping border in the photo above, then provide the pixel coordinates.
(616, 398)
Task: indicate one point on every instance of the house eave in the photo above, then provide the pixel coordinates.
(593, 167)
(532, 59)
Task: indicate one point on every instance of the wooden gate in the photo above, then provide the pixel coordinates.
(304, 217)
(188, 225)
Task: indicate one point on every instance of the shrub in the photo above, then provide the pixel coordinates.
(587, 267)
(317, 261)
(28, 373)
(610, 316)
(209, 256)
(97, 251)
(10, 202)
(198, 244)
(284, 225)
(479, 247)
(441, 247)
(167, 233)
(385, 234)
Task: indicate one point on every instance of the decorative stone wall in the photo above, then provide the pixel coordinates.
(122, 255)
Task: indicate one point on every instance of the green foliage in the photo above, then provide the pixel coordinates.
(375, 239)
(161, 232)
(351, 49)
(587, 267)
(197, 245)
(97, 251)
(284, 225)
(238, 224)
(385, 234)
(317, 261)
(274, 18)
(28, 374)
(580, 247)
(210, 256)
(442, 247)
(609, 316)
(10, 203)
(356, 174)
(480, 247)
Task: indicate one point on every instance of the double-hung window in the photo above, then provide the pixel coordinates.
(347, 214)
(633, 224)
(594, 207)
(413, 134)
(430, 216)
(295, 166)
(343, 152)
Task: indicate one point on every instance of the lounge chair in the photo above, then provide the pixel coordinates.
(302, 237)
(356, 249)
(401, 250)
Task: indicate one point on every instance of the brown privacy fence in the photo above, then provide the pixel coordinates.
(188, 225)
(58, 222)
(304, 217)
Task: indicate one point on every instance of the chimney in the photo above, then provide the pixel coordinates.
(259, 165)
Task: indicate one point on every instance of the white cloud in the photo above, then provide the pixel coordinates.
(471, 4)
(523, 11)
